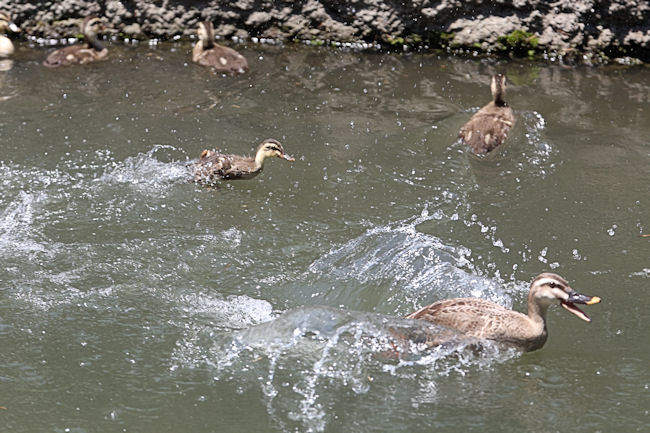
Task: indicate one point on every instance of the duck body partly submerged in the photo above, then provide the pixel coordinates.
(213, 166)
(489, 127)
(483, 319)
(207, 52)
(91, 51)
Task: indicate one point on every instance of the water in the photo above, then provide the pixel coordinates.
(133, 300)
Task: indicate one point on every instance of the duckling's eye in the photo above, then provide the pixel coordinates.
(553, 285)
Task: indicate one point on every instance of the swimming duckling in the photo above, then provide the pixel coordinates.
(91, 51)
(207, 52)
(6, 46)
(486, 320)
(212, 165)
(489, 127)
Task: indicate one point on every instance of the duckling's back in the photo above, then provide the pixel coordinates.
(488, 128)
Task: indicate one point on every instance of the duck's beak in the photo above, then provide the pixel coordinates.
(14, 28)
(287, 157)
(578, 298)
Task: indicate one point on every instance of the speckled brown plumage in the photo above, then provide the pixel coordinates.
(207, 52)
(489, 127)
(486, 320)
(213, 165)
(91, 51)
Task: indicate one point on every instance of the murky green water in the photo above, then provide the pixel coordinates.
(132, 300)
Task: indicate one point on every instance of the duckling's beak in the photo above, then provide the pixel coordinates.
(14, 28)
(578, 298)
(287, 157)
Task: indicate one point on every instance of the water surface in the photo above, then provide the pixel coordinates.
(134, 300)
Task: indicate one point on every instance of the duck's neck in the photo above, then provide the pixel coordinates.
(207, 43)
(537, 312)
(498, 99)
(93, 42)
(259, 161)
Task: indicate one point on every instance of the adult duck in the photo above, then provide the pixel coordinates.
(483, 319)
(489, 127)
(91, 51)
(213, 165)
(207, 52)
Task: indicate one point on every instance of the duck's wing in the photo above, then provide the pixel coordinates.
(488, 128)
(75, 54)
(240, 168)
(223, 59)
(472, 316)
(211, 166)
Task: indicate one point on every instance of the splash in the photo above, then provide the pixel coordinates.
(398, 258)
(303, 360)
(144, 171)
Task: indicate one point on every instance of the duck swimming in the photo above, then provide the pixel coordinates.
(207, 52)
(6, 46)
(91, 51)
(213, 165)
(489, 127)
(483, 319)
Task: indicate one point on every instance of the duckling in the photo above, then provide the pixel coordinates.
(213, 165)
(91, 51)
(207, 52)
(489, 127)
(6, 47)
(486, 320)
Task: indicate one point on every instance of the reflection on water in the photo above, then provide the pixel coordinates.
(133, 299)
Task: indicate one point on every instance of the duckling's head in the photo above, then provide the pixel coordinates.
(90, 26)
(6, 23)
(498, 87)
(270, 148)
(205, 32)
(548, 288)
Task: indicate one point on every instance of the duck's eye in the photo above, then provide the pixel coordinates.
(553, 285)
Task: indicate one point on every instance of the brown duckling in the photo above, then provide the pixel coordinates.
(213, 165)
(483, 319)
(489, 127)
(6, 46)
(207, 52)
(91, 51)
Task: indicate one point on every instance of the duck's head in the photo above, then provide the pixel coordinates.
(7, 24)
(90, 26)
(205, 32)
(548, 288)
(270, 148)
(498, 87)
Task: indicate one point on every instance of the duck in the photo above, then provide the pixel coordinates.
(207, 52)
(213, 165)
(6, 46)
(489, 127)
(482, 319)
(91, 51)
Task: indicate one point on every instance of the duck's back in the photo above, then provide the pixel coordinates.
(483, 319)
(74, 54)
(488, 128)
(223, 59)
(213, 165)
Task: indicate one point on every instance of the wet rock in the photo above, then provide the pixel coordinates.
(581, 26)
